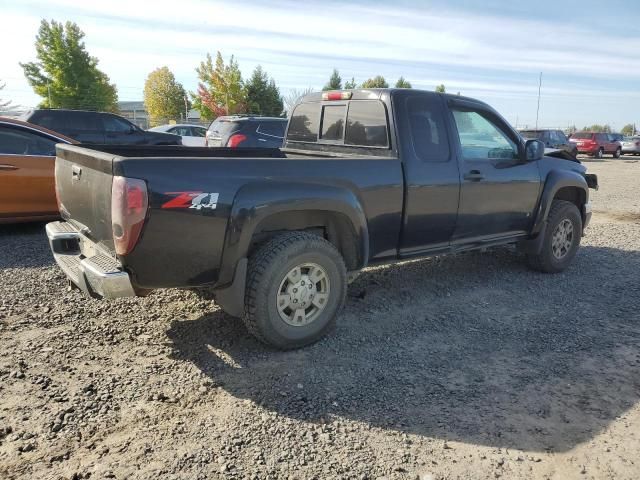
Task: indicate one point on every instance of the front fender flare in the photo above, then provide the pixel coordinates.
(556, 180)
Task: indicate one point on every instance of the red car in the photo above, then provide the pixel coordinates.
(596, 144)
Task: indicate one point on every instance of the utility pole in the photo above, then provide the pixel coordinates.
(49, 92)
(186, 109)
(538, 110)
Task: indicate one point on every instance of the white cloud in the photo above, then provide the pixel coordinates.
(299, 43)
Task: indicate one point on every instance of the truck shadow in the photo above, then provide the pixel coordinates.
(471, 348)
(24, 245)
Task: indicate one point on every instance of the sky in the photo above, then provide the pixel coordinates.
(589, 55)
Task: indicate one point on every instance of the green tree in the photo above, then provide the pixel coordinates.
(441, 88)
(220, 89)
(628, 130)
(163, 96)
(205, 75)
(596, 127)
(375, 82)
(263, 96)
(402, 83)
(350, 84)
(335, 81)
(65, 75)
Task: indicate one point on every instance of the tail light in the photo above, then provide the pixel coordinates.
(637, 144)
(129, 202)
(236, 140)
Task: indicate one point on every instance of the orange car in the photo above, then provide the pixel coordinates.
(27, 160)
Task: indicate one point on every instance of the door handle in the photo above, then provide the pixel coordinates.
(474, 176)
(6, 166)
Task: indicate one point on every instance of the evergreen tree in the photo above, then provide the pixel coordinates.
(350, 84)
(263, 96)
(402, 83)
(335, 81)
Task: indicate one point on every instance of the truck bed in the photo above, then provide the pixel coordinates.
(187, 244)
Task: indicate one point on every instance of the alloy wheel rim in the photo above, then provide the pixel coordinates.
(303, 294)
(562, 239)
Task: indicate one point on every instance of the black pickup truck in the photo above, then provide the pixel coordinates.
(364, 177)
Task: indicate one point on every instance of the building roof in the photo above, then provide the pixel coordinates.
(131, 105)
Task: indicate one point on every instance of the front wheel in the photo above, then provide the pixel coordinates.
(561, 239)
(296, 284)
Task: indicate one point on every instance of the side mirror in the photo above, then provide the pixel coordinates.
(534, 150)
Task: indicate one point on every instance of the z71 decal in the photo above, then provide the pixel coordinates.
(196, 200)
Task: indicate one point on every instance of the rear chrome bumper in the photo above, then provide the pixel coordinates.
(95, 273)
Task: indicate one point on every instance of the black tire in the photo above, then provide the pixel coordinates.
(617, 153)
(546, 261)
(599, 154)
(268, 268)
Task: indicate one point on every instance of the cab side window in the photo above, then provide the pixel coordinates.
(481, 138)
(427, 127)
(116, 125)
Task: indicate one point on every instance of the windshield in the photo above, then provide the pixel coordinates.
(534, 134)
(582, 135)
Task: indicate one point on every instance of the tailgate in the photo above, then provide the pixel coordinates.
(83, 186)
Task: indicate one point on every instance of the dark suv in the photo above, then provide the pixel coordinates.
(552, 139)
(97, 127)
(246, 131)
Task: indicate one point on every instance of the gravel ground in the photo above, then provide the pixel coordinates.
(468, 366)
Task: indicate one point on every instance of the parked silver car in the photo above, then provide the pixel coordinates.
(192, 135)
(631, 145)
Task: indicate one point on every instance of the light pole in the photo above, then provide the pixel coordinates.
(538, 110)
(186, 109)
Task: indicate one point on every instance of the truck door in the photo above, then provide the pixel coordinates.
(431, 172)
(499, 191)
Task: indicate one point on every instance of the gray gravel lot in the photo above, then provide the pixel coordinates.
(468, 366)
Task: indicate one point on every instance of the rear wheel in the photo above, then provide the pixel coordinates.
(617, 153)
(561, 238)
(296, 284)
(600, 153)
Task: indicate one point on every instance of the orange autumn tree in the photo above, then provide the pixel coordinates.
(220, 88)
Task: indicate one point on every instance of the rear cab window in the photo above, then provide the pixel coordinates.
(354, 123)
